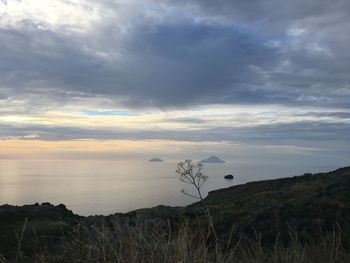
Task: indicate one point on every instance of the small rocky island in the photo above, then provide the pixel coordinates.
(156, 160)
(212, 159)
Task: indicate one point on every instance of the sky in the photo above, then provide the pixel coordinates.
(107, 79)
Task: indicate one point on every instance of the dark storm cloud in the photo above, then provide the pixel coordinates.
(215, 52)
(263, 13)
(163, 66)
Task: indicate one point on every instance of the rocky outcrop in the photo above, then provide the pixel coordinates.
(44, 223)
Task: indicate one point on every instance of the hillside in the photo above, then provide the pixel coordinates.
(311, 206)
(307, 203)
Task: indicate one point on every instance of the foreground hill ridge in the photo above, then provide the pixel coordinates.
(308, 204)
(344, 171)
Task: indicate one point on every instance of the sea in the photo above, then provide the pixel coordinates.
(107, 187)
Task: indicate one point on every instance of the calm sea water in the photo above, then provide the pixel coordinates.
(105, 187)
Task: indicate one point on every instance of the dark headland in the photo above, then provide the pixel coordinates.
(299, 219)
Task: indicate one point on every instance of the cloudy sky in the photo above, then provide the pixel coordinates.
(119, 79)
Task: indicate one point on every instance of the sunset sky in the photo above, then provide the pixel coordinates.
(107, 79)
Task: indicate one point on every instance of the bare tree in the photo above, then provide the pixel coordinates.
(191, 173)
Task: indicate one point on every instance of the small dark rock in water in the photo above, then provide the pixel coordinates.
(229, 176)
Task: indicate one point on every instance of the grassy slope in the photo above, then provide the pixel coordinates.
(270, 208)
(307, 203)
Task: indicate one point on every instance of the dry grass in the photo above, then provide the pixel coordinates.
(126, 240)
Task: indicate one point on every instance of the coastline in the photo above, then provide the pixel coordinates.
(307, 203)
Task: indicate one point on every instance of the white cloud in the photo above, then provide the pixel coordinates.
(74, 15)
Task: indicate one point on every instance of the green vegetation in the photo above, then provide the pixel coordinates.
(299, 219)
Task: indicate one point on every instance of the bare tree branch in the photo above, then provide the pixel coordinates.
(190, 195)
(191, 173)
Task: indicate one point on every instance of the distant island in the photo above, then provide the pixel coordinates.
(212, 159)
(156, 160)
